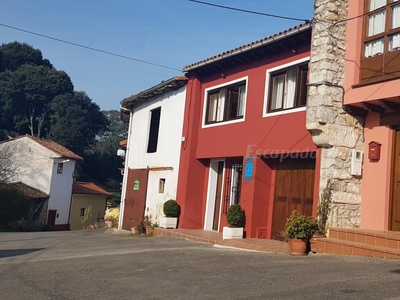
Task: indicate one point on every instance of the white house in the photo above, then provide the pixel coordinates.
(48, 167)
(153, 149)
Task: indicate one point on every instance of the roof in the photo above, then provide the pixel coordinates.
(171, 84)
(238, 54)
(26, 190)
(53, 146)
(123, 143)
(88, 188)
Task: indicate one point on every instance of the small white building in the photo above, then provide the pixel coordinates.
(47, 167)
(153, 150)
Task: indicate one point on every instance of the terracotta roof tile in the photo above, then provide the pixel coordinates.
(88, 188)
(248, 47)
(53, 146)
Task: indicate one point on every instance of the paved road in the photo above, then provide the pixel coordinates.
(96, 265)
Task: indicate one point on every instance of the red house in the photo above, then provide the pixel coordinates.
(244, 137)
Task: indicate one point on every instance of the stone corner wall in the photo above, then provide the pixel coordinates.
(332, 129)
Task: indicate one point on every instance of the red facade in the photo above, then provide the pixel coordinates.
(215, 157)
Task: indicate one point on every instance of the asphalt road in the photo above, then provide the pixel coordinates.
(96, 265)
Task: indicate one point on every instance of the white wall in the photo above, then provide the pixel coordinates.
(36, 166)
(61, 190)
(168, 149)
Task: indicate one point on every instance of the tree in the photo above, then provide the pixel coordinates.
(7, 166)
(75, 121)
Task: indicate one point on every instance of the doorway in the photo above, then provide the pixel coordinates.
(214, 195)
(395, 201)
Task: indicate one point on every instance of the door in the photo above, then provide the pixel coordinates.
(135, 197)
(294, 190)
(218, 195)
(51, 218)
(395, 203)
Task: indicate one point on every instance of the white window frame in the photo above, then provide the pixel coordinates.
(215, 87)
(270, 71)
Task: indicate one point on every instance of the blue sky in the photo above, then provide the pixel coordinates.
(174, 33)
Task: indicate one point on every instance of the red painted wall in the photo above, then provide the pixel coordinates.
(257, 135)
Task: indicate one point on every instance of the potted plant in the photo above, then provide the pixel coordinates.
(323, 210)
(134, 228)
(235, 219)
(111, 216)
(298, 230)
(171, 210)
(148, 225)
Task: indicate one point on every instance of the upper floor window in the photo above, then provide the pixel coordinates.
(382, 27)
(381, 40)
(226, 103)
(60, 167)
(153, 130)
(287, 88)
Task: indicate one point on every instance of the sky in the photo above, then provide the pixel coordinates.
(171, 33)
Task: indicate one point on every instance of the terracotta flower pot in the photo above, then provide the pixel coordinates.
(298, 247)
(134, 230)
(149, 230)
(109, 224)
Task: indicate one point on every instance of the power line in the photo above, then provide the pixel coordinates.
(89, 48)
(250, 11)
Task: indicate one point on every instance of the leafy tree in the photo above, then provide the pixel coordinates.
(14, 205)
(75, 121)
(14, 55)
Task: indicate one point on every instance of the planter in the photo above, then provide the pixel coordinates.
(232, 233)
(149, 230)
(297, 247)
(314, 242)
(109, 224)
(168, 223)
(134, 230)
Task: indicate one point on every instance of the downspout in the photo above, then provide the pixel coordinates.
(125, 176)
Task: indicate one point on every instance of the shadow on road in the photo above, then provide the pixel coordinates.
(17, 252)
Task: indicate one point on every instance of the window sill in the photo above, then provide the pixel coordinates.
(284, 112)
(221, 123)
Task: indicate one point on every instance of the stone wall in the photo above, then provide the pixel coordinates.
(332, 129)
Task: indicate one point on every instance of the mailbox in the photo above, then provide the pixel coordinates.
(374, 150)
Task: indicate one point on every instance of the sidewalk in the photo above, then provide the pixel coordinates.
(215, 238)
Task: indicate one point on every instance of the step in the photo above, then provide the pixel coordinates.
(387, 239)
(344, 247)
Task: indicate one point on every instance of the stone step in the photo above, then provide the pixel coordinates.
(344, 247)
(386, 239)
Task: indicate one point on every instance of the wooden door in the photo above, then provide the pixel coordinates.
(395, 203)
(135, 197)
(51, 218)
(294, 190)
(218, 195)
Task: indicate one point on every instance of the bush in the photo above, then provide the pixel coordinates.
(235, 216)
(14, 206)
(300, 226)
(171, 209)
(112, 214)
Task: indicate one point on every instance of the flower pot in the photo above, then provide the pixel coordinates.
(109, 224)
(298, 247)
(134, 230)
(149, 230)
(314, 242)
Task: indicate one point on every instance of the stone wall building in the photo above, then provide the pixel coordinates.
(332, 129)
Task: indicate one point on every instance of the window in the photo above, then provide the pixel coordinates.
(287, 88)
(381, 38)
(154, 129)
(82, 212)
(60, 167)
(226, 103)
(161, 185)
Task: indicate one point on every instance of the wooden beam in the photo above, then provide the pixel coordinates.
(392, 119)
(391, 105)
(372, 107)
(355, 111)
(161, 169)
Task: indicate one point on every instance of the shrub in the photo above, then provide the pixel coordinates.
(14, 205)
(171, 209)
(299, 226)
(112, 214)
(235, 216)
